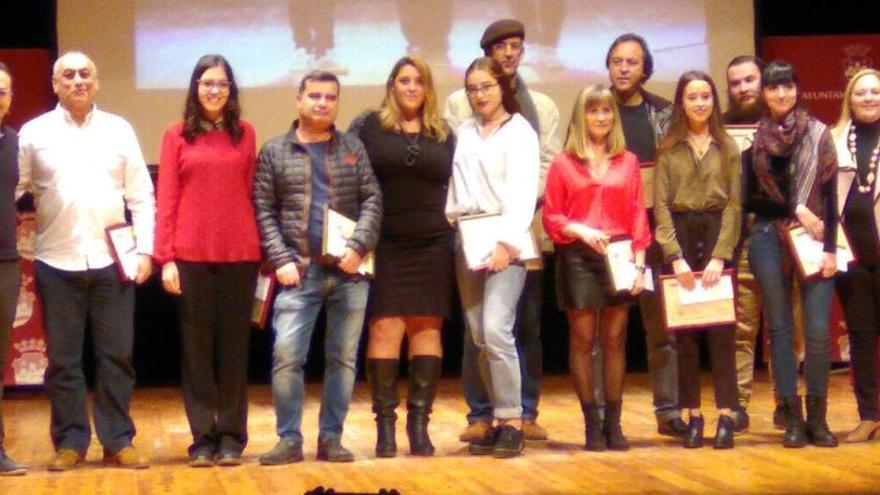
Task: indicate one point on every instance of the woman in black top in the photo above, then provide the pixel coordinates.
(410, 148)
(857, 138)
(791, 180)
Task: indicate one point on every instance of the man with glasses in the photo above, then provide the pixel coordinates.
(299, 174)
(85, 167)
(10, 272)
(504, 40)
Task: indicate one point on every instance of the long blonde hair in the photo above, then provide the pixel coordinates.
(576, 139)
(846, 112)
(433, 125)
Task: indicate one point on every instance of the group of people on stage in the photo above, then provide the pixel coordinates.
(406, 173)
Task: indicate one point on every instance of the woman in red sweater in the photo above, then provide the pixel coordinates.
(594, 193)
(207, 244)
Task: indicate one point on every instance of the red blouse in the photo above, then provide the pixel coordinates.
(612, 204)
(205, 212)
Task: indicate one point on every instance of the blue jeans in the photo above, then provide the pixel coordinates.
(489, 301)
(70, 298)
(527, 332)
(772, 265)
(293, 318)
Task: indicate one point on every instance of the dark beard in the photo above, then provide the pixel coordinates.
(749, 114)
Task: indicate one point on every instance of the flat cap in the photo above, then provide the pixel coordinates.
(501, 29)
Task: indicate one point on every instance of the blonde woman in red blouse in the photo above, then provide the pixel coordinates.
(594, 193)
(207, 244)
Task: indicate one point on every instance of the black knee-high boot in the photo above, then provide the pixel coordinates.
(382, 374)
(423, 374)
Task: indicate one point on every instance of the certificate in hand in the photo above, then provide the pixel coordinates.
(337, 229)
(479, 235)
(124, 250)
(262, 299)
(808, 252)
(699, 307)
(622, 267)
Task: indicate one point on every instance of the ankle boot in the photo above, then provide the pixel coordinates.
(423, 374)
(795, 435)
(382, 374)
(693, 439)
(724, 432)
(611, 429)
(818, 433)
(595, 437)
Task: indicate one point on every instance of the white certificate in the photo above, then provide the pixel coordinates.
(809, 252)
(124, 249)
(479, 235)
(338, 228)
(744, 135)
(622, 267)
(699, 294)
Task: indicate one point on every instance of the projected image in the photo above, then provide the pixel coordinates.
(275, 42)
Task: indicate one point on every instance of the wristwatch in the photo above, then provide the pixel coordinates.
(640, 269)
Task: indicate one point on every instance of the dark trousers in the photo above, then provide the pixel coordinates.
(697, 233)
(68, 298)
(10, 277)
(215, 309)
(859, 291)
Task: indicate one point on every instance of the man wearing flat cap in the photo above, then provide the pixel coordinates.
(504, 40)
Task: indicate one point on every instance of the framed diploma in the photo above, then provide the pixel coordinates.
(699, 307)
(622, 267)
(479, 235)
(808, 252)
(123, 248)
(263, 295)
(647, 172)
(337, 229)
(742, 134)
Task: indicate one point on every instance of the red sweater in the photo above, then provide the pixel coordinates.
(612, 204)
(205, 212)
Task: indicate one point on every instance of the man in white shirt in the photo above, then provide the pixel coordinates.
(85, 167)
(504, 40)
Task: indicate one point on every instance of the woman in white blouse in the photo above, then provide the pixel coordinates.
(495, 171)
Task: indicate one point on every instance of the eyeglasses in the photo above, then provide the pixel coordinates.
(209, 84)
(5, 92)
(484, 88)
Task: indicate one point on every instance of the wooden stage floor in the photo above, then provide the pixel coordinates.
(655, 464)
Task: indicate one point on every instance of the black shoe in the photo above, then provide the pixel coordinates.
(674, 427)
(595, 437)
(229, 458)
(740, 420)
(201, 457)
(779, 416)
(510, 442)
(331, 450)
(611, 427)
(486, 444)
(424, 371)
(8, 467)
(795, 435)
(285, 451)
(693, 439)
(724, 432)
(382, 375)
(818, 433)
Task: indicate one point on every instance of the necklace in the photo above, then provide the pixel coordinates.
(700, 144)
(413, 150)
(872, 163)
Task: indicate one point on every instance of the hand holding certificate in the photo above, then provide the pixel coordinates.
(337, 229)
(808, 252)
(622, 267)
(698, 307)
(124, 250)
(479, 238)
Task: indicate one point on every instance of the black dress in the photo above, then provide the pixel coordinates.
(414, 257)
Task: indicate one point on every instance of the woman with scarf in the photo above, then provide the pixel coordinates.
(790, 181)
(857, 137)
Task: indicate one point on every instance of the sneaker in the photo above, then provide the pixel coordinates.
(533, 431)
(331, 450)
(484, 445)
(286, 451)
(201, 457)
(8, 467)
(475, 430)
(65, 460)
(126, 457)
(510, 442)
(228, 458)
(675, 427)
